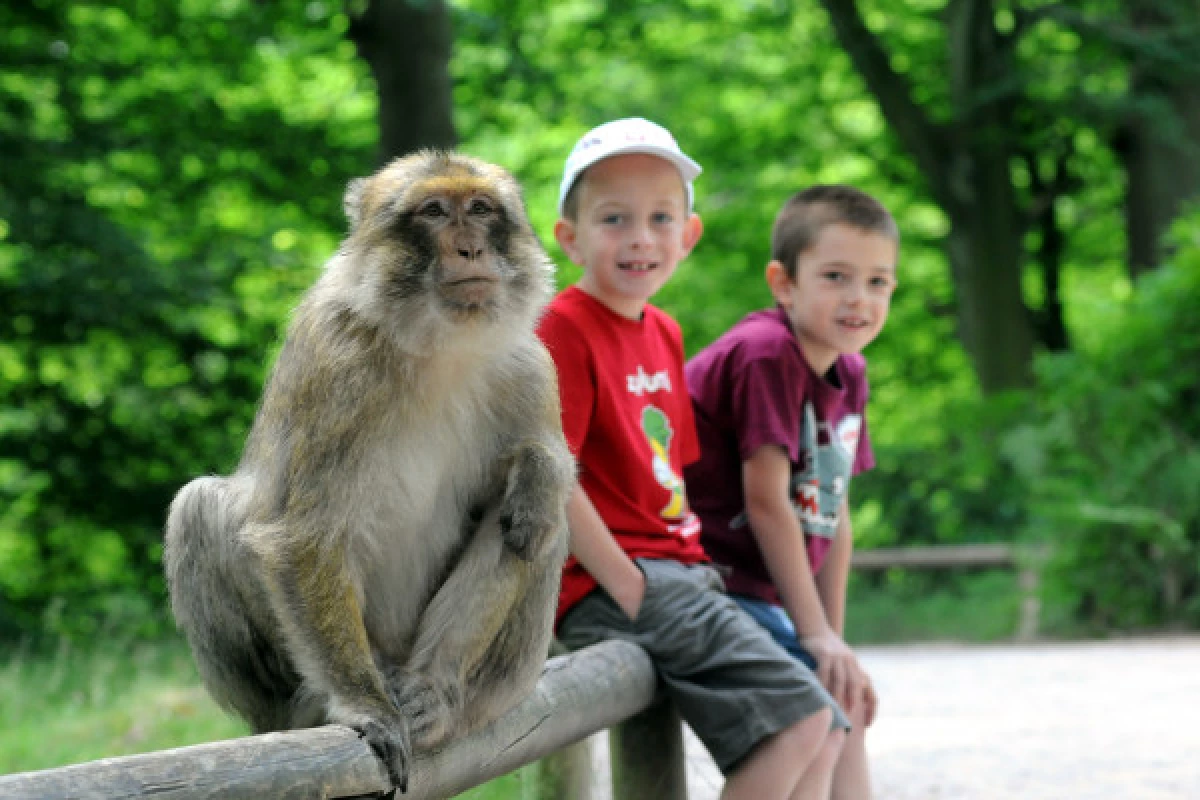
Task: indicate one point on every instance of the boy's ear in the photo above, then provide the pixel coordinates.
(692, 230)
(779, 282)
(564, 234)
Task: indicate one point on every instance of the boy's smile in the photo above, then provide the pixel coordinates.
(637, 266)
(633, 227)
(841, 293)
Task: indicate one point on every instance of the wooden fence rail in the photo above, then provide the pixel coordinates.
(578, 694)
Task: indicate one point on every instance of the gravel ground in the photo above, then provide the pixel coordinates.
(1077, 721)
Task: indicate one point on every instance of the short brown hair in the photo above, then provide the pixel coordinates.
(570, 206)
(809, 211)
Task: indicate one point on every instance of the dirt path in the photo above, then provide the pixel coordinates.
(1113, 719)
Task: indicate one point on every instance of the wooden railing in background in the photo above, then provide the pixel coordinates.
(1027, 561)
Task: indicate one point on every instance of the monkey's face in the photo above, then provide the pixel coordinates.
(447, 236)
(461, 235)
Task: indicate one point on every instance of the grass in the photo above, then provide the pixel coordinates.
(519, 785)
(116, 697)
(121, 696)
(915, 606)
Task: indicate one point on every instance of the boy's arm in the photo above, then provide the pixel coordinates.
(765, 478)
(831, 586)
(831, 580)
(592, 543)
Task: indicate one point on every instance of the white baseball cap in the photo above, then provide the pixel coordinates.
(630, 135)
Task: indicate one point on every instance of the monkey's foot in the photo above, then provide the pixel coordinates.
(432, 708)
(390, 741)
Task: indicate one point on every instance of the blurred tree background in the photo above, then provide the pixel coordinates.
(171, 178)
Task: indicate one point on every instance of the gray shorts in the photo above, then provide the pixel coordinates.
(729, 679)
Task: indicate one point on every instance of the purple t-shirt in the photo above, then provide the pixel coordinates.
(753, 387)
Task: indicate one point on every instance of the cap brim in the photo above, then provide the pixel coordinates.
(688, 168)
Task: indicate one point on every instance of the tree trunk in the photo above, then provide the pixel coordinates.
(407, 45)
(966, 164)
(986, 253)
(1162, 162)
(1048, 321)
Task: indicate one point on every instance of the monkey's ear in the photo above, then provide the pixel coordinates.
(353, 201)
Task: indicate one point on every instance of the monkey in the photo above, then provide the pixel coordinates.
(386, 554)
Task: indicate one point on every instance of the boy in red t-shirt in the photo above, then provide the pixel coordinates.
(780, 402)
(637, 570)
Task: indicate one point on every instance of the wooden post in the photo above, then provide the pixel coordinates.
(1031, 604)
(1030, 562)
(568, 774)
(647, 755)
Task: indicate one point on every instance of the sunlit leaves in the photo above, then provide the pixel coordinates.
(161, 161)
(172, 181)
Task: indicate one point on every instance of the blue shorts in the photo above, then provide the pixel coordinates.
(778, 624)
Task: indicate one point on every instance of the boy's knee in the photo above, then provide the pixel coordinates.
(831, 750)
(807, 735)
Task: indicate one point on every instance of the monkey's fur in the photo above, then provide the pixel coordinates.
(387, 554)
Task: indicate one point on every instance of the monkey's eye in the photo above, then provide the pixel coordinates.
(432, 209)
(479, 207)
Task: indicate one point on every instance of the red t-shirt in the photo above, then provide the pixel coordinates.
(628, 421)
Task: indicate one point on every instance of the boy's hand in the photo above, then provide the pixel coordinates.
(629, 594)
(838, 669)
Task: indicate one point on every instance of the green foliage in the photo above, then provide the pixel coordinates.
(171, 181)
(1112, 457)
(943, 480)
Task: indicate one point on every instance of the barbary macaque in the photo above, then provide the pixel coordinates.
(387, 554)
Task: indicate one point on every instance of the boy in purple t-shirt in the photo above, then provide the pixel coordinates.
(779, 402)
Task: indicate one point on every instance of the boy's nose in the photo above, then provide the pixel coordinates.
(641, 236)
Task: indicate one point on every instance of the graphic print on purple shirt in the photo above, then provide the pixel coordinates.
(819, 484)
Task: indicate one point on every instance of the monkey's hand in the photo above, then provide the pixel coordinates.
(531, 513)
(389, 739)
(429, 706)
